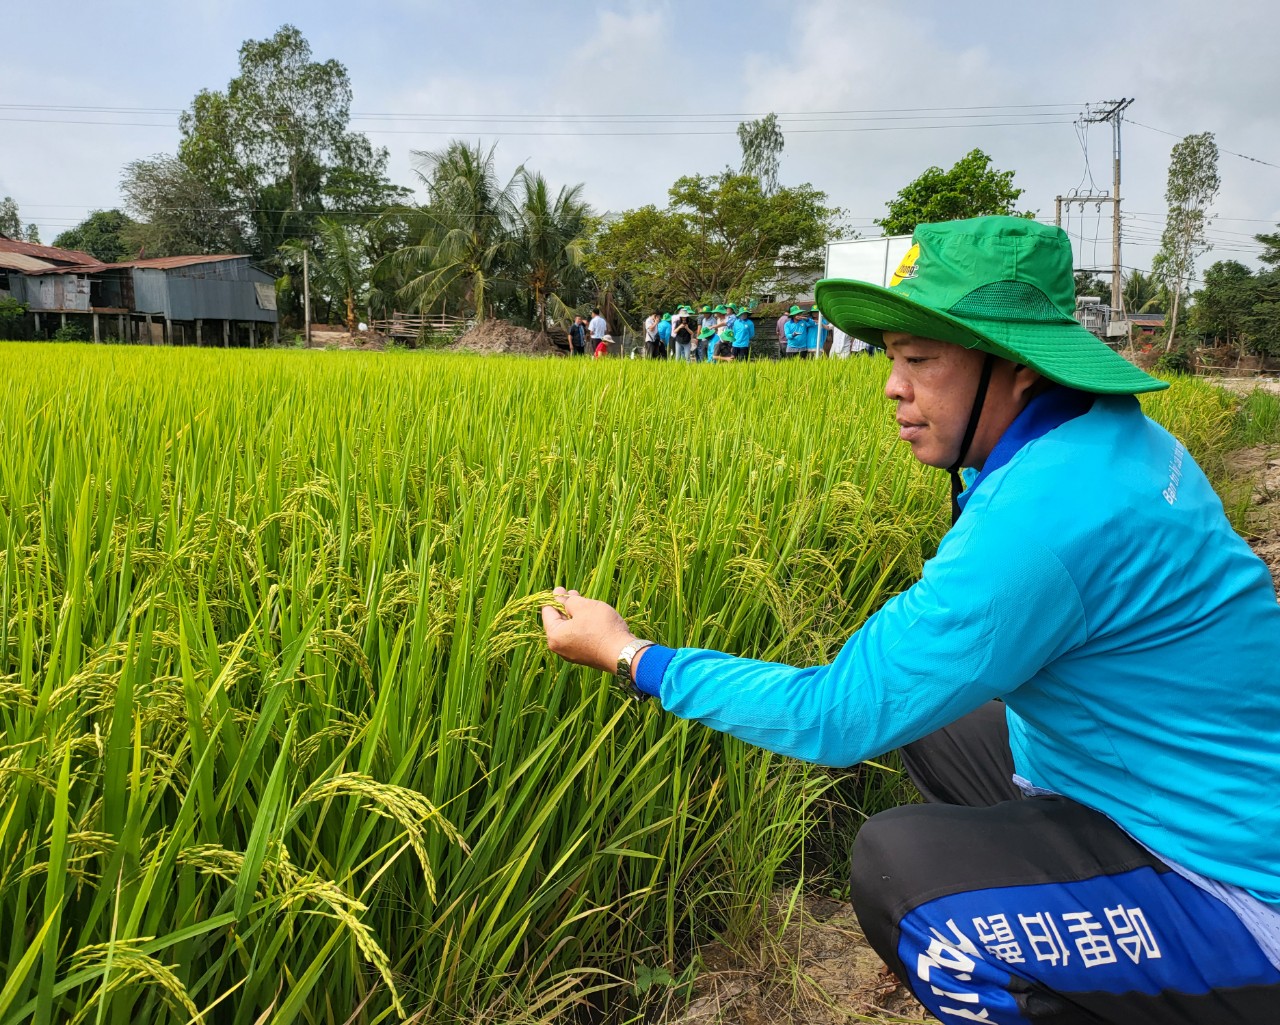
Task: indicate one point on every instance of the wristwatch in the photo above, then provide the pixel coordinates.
(626, 682)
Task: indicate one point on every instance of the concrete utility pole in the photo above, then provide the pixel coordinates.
(1112, 111)
(306, 299)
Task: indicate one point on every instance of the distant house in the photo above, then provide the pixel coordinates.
(1145, 323)
(191, 300)
(197, 299)
(45, 278)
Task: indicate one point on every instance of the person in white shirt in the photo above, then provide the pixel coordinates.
(599, 327)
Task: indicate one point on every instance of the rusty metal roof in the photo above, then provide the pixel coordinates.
(24, 263)
(83, 268)
(169, 262)
(50, 254)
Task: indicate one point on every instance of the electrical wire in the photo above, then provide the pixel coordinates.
(1175, 135)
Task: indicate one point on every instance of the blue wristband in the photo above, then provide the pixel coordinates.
(652, 668)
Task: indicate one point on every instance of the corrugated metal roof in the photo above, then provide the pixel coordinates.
(80, 268)
(49, 253)
(169, 262)
(20, 262)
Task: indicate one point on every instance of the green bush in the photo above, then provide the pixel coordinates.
(13, 318)
(1181, 359)
(71, 333)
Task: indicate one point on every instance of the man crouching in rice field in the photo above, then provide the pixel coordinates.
(1084, 683)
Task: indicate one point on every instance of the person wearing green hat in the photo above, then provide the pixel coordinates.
(704, 346)
(1102, 843)
(796, 334)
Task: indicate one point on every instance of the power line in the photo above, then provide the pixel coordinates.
(584, 134)
(1233, 153)
(940, 111)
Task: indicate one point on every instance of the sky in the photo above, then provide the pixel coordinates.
(627, 96)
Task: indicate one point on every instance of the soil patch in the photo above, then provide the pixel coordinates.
(1258, 469)
(499, 336)
(1244, 385)
(327, 336)
(812, 965)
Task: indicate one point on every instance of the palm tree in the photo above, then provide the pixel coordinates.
(1142, 293)
(464, 236)
(339, 268)
(549, 246)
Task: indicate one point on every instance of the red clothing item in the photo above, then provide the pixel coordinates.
(601, 350)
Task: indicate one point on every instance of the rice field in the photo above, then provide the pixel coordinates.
(280, 739)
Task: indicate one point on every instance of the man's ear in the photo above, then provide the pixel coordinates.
(1028, 383)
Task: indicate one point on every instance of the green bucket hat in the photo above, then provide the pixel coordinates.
(706, 309)
(1002, 285)
(706, 332)
(666, 316)
(720, 309)
(795, 311)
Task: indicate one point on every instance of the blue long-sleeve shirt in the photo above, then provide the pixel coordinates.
(744, 329)
(1095, 585)
(796, 334)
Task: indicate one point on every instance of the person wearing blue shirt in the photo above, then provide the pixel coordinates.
(744, 330)
(1082, 684)
(796, 334)
(663, 332)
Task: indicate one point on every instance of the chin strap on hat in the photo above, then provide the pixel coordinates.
(975, 415)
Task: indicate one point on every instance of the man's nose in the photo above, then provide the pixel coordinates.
(896, 386)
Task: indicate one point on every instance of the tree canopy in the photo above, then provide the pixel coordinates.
(720, 236)
(103, 234)
(971, 188)
(11, 223)
(762, 144)
(258, 163)
(485, 245)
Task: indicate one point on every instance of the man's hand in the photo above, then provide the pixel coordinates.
(592, 634)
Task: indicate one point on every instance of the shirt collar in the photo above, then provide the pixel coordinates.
(1043, 413)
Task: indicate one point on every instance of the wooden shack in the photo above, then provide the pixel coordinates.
(181, 300)
(197, 300)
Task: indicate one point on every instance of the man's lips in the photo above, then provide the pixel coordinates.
(909, 430)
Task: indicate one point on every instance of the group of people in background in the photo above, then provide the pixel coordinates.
(716, 334)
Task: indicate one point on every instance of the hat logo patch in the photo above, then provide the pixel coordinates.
(907, 268)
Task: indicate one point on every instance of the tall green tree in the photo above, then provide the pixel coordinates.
(719, 236)
(1192, 187)
(102, 234)
(463, 237)
(271, 153)
(550, 246)
(971, 188)
(762, 143)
